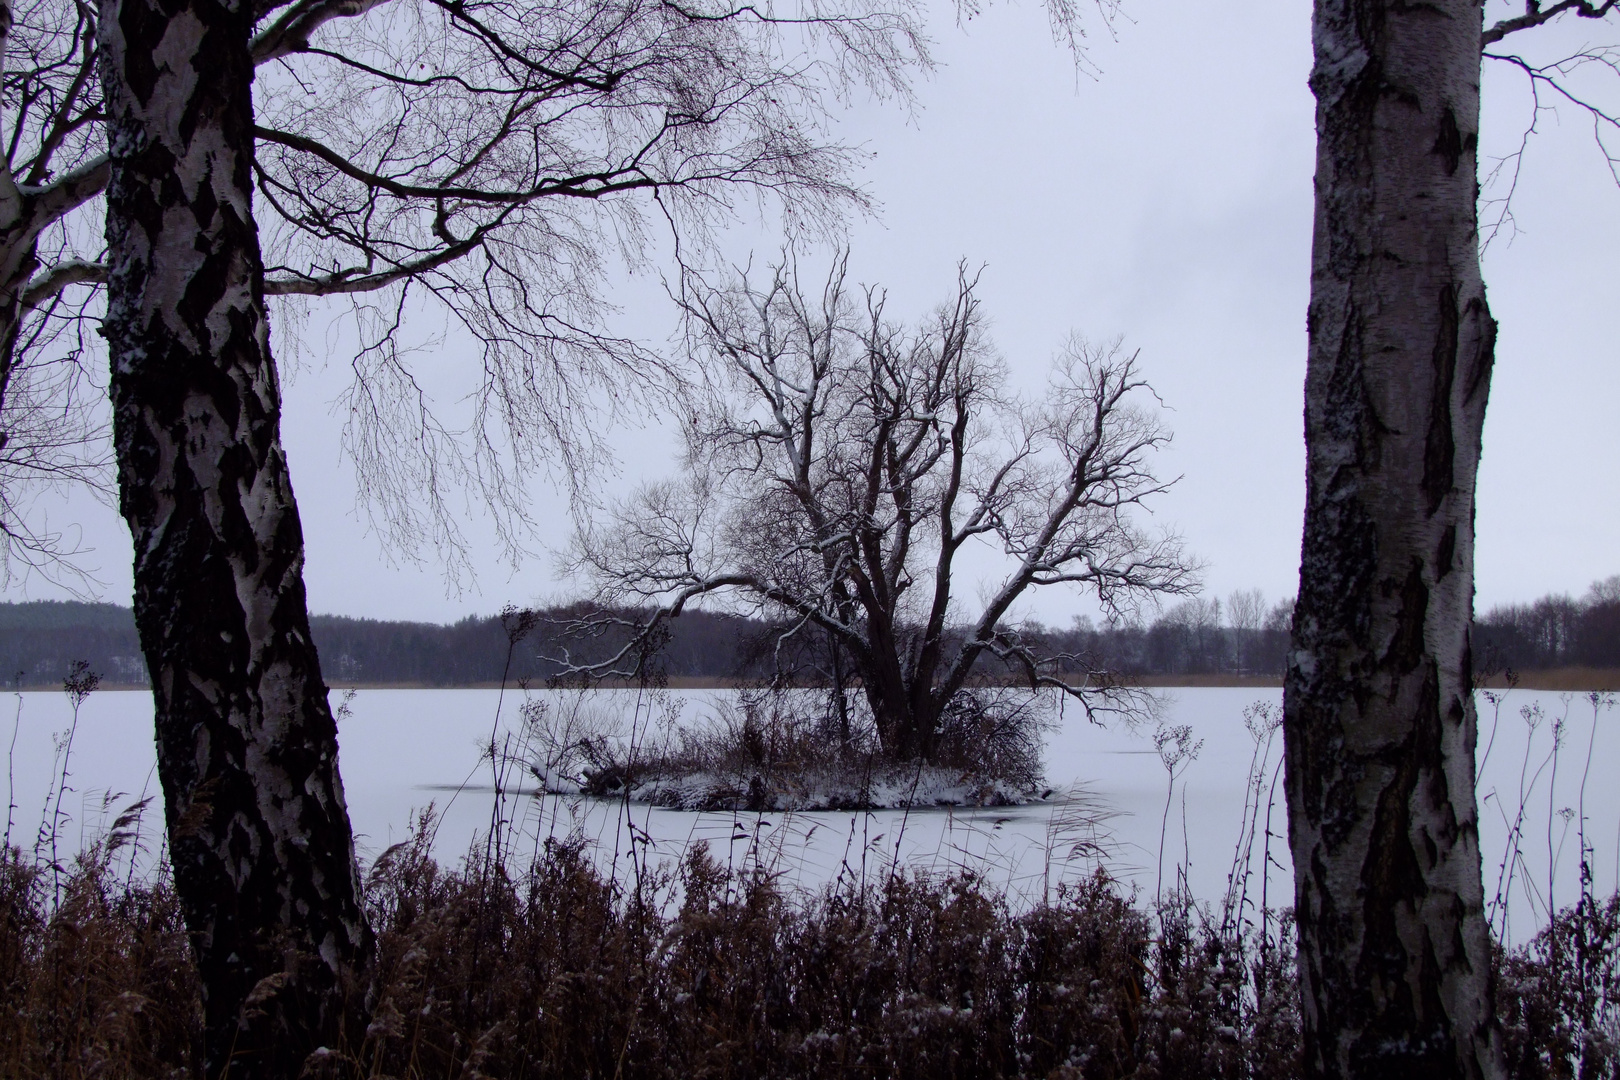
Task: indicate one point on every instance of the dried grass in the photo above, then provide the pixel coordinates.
(101, 986)
(559, 971)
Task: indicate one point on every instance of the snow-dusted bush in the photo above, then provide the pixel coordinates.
(793, 749)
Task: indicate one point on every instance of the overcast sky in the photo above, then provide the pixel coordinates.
(1168, 200)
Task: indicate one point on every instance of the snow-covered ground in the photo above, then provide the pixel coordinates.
(401, 749)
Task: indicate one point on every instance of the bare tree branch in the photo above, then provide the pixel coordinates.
(1557, 79)
(59, 277)
(1536, 15)
(290, 33)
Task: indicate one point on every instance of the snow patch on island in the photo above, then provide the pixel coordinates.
(878, 786)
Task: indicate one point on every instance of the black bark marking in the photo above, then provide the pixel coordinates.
(1442, 809)
(1440, 445)
(1341, 544)
(1401, 1034)
(1318, 964)
(1449, 143)
(1466, 673)
(139, 66)
(1479, 373)
(1447, 555)
(1407, 648)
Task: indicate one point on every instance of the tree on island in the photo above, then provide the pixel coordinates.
(1394, 950)
(840, 469)
(477, 153)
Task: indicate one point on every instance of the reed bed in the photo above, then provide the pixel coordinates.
(560, 971)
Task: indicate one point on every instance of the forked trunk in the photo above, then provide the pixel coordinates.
(1380, 725)
(905, 729)
(247, 749)
(915, 738)
(888, 720)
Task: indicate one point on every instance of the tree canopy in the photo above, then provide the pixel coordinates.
(492, 159)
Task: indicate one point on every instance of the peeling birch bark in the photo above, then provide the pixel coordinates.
(1380, 724)
(247, 746)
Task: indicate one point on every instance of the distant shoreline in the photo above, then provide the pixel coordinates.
(1567, 680)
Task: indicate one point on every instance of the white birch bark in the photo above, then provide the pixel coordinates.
(1380, 723)
(258, 830)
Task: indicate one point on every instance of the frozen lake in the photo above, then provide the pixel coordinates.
(401, 749)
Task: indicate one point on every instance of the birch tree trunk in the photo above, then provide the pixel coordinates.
(1380, 723)
(247, 747)
(18, 256)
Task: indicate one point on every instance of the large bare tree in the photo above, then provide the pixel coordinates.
(1380, 726)
(843, 466)
(480, 152)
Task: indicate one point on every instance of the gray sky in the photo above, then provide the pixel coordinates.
(1167, 200)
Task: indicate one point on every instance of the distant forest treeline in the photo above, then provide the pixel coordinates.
(40, 640)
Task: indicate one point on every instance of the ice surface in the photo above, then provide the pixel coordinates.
(401, 749)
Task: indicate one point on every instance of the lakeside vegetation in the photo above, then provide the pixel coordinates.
(546, 967)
